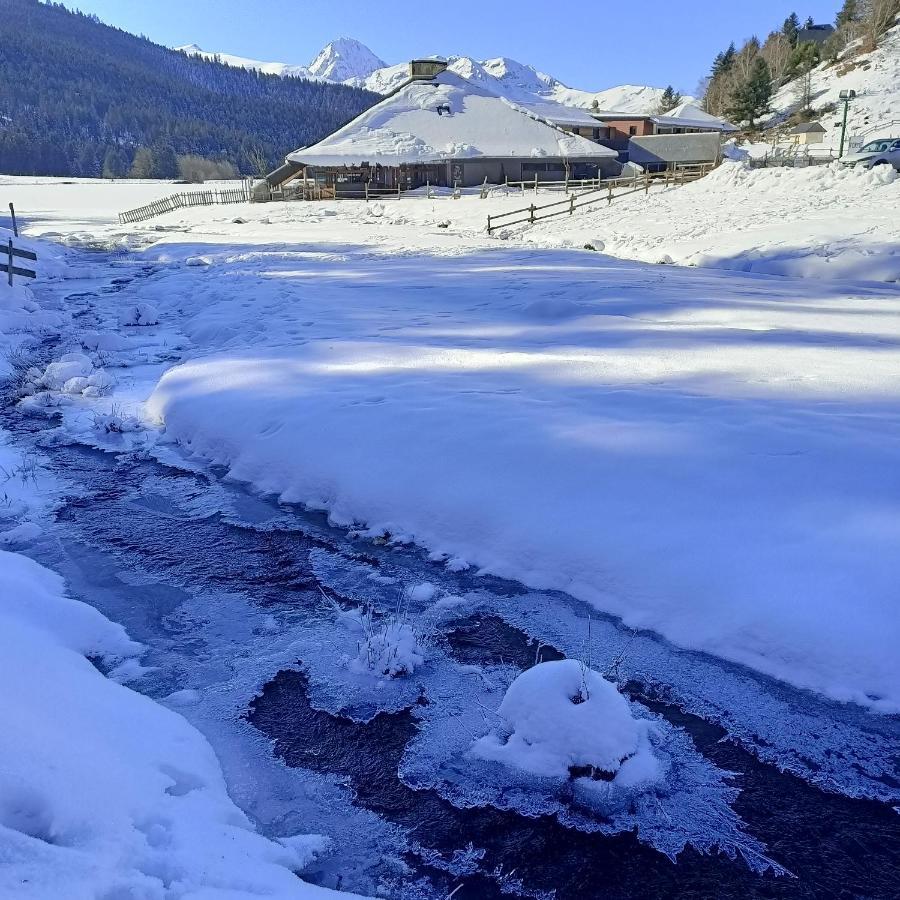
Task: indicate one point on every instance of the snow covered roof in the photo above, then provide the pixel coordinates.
(689, 115)
(808, 128)
(447, 118)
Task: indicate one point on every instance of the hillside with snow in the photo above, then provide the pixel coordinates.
(874, 112)
(350, 62)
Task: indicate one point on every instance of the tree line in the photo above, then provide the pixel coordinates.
(80, 98)
(743, 81)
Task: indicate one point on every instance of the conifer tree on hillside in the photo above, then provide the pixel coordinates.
(848, 14)
(72, 88)
(751, 98)
(791, 28)
(669, 100)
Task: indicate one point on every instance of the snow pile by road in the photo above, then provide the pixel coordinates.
(564, 720)
(104, 793)
(818, 222)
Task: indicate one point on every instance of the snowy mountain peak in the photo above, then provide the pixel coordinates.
(348, 61)
(345, 59)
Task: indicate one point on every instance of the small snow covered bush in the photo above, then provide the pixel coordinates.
(389, 645)
(116, 421)
(564, 720)
(140, 314)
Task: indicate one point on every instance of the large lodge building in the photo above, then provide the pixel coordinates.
(441, 129)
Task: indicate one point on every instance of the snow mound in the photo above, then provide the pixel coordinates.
(565, 719)
(104, 793)
(140, 314)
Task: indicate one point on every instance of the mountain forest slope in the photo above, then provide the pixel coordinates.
(78, 97)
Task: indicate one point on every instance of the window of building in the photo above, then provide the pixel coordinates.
(632, 130)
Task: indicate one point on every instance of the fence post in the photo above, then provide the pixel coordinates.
(609, 199)
(571, 204)
(366, 184)
(647, 185)
(535, 185)
(9, 267)
(530, 208)
(489, 224)
(12, 212)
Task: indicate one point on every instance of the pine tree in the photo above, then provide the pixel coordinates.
(165, 162)
(848, 14)
(751, 99)
(669, 100)
(724, 61)
(809, 23)
(791, 28)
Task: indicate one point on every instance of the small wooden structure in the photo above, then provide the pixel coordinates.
(807, 133)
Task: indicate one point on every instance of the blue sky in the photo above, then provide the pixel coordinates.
(591, 45)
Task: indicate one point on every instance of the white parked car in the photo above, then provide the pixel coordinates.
(882, 152)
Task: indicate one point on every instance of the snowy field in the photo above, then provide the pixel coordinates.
(706, 450)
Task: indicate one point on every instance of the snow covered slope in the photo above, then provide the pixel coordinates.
(348, 61)
(876, 79)
(242, 62)
(818, 222)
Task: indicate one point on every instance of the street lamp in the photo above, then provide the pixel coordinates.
(846, 97)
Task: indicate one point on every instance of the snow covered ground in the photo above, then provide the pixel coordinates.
(701, 421)
(706, 452)
(821, 222)
(104, 793)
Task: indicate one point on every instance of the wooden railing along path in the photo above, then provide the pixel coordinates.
(608, 192)
(12, 253)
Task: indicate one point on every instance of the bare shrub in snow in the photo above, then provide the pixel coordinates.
(116, 421)
(389, 645)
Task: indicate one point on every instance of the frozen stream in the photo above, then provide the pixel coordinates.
(243, 603)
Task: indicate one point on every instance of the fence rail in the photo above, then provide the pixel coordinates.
(790, 159)
(607, 192)
(13, 253)
(187, 199)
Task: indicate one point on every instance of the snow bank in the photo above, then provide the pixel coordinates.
(819, 222)
(104, 793)
(562, 717)
(707, 454)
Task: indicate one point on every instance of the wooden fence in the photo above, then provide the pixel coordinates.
(187, 199)
(792, 158)
(611, 189)
(12, 253)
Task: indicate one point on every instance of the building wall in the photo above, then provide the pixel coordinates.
(623, 129)
(660, 150)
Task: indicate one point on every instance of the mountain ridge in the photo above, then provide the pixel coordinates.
(350, 62)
